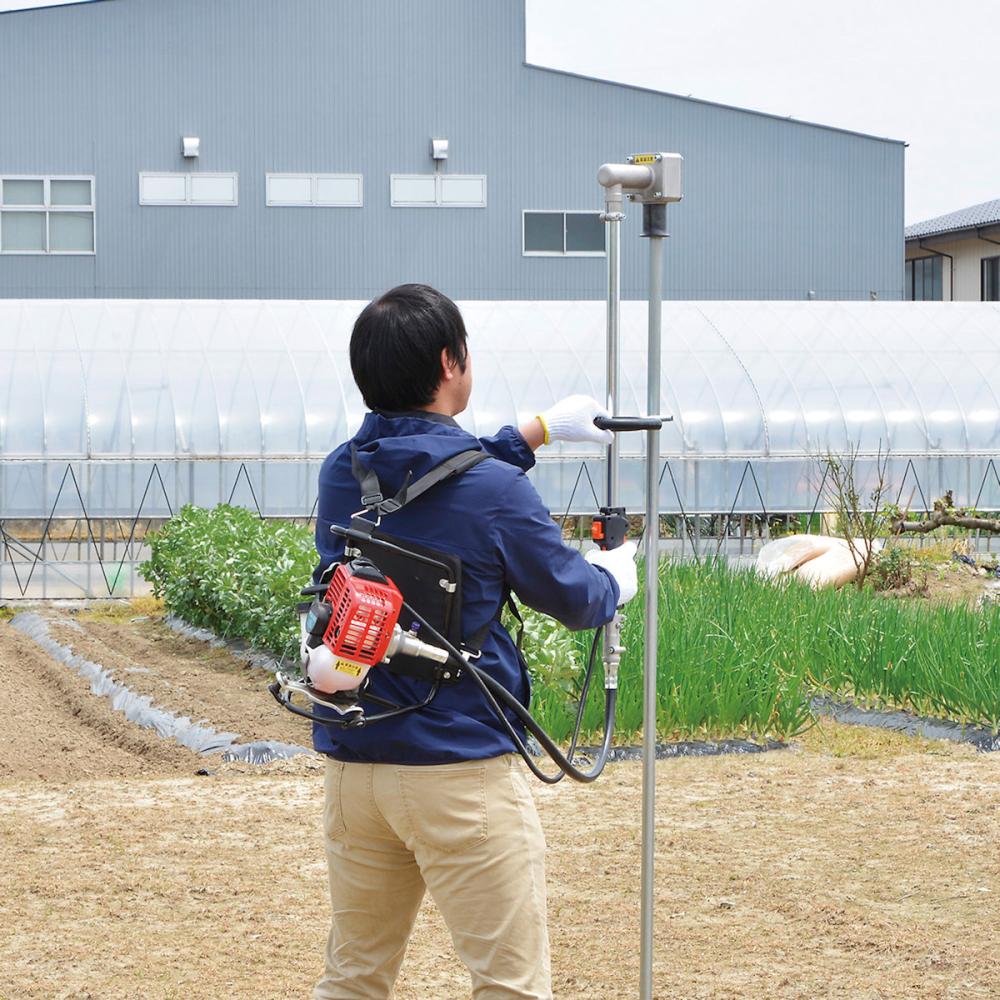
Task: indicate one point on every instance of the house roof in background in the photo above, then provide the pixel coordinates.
(973, 217)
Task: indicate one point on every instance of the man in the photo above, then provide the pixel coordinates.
(436, 798)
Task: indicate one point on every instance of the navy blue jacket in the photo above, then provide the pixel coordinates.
(493, 519)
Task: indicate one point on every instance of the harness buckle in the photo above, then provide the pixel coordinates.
(389, 506)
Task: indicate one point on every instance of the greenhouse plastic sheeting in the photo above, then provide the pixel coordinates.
(109, 406)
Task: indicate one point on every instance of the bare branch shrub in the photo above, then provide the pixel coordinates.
(859, 518)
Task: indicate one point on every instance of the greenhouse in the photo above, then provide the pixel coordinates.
(115, 413)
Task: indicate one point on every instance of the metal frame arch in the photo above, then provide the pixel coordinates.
(685, 444)
(294, 368)
(127, 387)
(10, 388)
(918, 402)
(834, 391)
(207, 368)
(41, 390)
(780, 366)
(579, 362)
(750, 381)
(969, 359)
(89, 452)
(501, 373)
(324, 340)
(166, 383)
(43, 396)
(871, 385)
(951, 389)
(244, 365)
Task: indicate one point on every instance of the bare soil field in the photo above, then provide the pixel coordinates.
(857, 864)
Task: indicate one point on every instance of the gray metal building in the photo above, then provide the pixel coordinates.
(326, 90)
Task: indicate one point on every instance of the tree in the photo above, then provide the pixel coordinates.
(858, 522)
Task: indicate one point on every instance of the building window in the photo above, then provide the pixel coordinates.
(563, 234)
(319, 190)
(924, 279)
(47, 215)
(437, 190)
(990, 283)
(188, 189)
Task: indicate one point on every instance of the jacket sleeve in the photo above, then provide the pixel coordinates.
(544, 573)
(509, 446)
(329, 547)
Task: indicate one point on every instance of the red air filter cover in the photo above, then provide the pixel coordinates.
(364, 613)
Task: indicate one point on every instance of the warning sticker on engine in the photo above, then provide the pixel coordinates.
(644, 158)
(352, 669)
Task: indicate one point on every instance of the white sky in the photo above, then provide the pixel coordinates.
(918, 70)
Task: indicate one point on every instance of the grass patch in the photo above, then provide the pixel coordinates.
(737, 656)
(836, 739)
(122, 611)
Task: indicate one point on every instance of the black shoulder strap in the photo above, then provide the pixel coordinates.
(371, 490)
(476, 640)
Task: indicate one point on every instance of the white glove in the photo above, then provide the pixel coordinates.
(620, 563)
(572, 419)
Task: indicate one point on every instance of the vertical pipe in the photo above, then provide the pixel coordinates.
(652, 553)
(614, 352)
(613, 629)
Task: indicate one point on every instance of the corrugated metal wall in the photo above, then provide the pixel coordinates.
(773, 208)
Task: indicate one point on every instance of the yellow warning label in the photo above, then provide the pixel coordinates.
(644, 158)
(352, 669)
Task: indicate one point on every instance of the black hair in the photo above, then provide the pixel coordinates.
(396, 346)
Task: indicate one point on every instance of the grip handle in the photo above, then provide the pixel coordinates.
(620, 424)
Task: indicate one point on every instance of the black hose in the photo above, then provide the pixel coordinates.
(585, 690)
(494, 690)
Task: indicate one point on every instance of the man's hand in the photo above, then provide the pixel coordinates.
(572, 419)
(620, 563)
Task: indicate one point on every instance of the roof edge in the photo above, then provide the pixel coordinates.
(959, 232)
(715, 104)
(50, 6)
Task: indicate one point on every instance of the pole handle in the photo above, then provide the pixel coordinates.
(620, 424)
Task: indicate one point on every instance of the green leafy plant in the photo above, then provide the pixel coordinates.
(228, 570)
(892, 569)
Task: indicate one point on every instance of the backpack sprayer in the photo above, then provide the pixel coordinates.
(353, 623)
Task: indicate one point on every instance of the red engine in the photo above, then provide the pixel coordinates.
(365, 607)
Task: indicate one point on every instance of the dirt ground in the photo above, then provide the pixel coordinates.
(858, 864)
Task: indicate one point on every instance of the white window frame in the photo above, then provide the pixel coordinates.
(48, 209)
(314, 180)
(187, 202)
(437, 203)
(564, 253)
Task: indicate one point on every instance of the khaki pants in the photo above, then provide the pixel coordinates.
(470, 834)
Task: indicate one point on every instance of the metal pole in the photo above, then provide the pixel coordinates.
(652, 553)
(614, 350)
(654, 180)
(613, 630)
